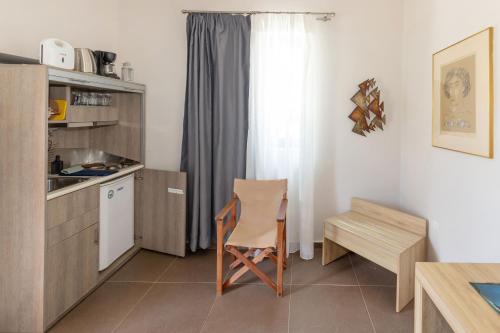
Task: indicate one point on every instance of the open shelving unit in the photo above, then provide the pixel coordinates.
(83, 115)
(64, 82)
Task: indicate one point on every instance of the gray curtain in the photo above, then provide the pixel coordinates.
(215, 117)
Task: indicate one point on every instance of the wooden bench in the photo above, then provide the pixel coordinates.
(388, 237)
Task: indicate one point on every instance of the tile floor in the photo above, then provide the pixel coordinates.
(161, 293)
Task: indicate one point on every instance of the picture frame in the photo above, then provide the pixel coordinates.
(462, 95)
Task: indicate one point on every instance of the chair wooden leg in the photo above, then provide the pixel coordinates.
(245, 269)
(232, 223)
(220, 258)
(279, 277)
(274, 258)
(237, 262)
(285, 253)
(252, 266)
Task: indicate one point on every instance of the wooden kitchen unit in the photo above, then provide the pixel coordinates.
(49, 242)
(446, 302)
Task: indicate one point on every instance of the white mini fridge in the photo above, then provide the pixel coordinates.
(116, 225)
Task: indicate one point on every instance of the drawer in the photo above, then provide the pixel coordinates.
(72, 205)
(69, 228)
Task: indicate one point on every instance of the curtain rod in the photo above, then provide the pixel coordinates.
(326, 16)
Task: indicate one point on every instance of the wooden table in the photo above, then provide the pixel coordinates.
(446, 302)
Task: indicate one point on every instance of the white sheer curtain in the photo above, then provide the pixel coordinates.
(282, 109)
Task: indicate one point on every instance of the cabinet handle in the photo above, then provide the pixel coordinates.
(96, 236)
(139, 178)
(79, 80)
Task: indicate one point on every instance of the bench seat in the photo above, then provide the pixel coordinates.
(382, 235)
(393, 238)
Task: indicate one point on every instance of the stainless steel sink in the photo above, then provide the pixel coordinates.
(60, 182)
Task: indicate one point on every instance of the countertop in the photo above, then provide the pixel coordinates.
(93, 181)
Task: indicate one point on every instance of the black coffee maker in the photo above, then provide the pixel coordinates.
(105, 63)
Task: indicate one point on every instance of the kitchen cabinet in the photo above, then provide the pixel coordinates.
(42, 256)
(48, 248)
(72, 271)
(23, 172)
(162, 211)
(72, 250)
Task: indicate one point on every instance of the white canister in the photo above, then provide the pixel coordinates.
(127, 72)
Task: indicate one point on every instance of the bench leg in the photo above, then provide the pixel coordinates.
(405, 289)
(332, 251)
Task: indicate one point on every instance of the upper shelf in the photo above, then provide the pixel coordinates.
(74, 78)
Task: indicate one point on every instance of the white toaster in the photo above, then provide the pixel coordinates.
(57, 53)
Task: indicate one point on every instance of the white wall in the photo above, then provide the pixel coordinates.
(363, 41)
(24, 23)
(458, 193)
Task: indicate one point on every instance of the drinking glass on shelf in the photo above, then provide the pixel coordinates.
(83, 100)
(104, 100)
(93, 98)
(100, 99)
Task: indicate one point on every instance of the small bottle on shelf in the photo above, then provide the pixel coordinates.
(56, 166)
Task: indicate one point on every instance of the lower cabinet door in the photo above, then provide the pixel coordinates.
(162, 211)
(71, 271)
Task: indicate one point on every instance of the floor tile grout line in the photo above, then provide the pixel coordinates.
(260, 283)
(342, 285)
(208, 315)
(144, 282)
(142, 297)
(186, 282)
(362, 295)
(165, 270)
(132, 308)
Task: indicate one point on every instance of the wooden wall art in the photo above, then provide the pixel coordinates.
(367, 101)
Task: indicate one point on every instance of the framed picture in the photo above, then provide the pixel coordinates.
(462, 96)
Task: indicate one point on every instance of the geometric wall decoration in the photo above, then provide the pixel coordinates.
(369, 112)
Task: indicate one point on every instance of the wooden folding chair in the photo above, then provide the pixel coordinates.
(261, 230)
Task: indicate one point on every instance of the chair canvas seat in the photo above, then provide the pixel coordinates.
(253, 235)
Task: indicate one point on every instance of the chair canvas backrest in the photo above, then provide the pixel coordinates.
(260, 199)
